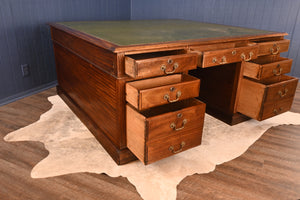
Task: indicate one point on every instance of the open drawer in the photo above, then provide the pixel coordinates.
(163, 131)
(224, 53)
(159, 63)
(264, 99)
(267, 66)
(272, 47)
(147, 93)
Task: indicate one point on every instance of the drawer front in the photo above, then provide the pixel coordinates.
(284, 89)
(273, 47)
(153, 92)
(263, 68)
(179, 121)
(225, 56)
(171, 146)
(149, 66)
(273, 109)
(259, 99)
(166, 130)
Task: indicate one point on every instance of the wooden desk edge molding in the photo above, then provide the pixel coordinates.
(142, 87)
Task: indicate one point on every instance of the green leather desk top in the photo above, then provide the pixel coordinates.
(135, 32)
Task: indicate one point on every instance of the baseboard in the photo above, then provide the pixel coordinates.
(27, 93)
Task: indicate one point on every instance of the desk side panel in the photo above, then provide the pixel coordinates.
(96, 55)
(93, 90)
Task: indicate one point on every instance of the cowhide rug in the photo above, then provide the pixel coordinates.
(72, 148)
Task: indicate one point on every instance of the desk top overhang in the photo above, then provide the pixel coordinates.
(124, 36)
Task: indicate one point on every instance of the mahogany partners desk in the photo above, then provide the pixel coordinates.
(134, 83)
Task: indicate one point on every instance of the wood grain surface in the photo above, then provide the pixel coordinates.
(267, 66)
(259, 100)
(149, 65)
(145, 94)
(149, 134)
(269, 169)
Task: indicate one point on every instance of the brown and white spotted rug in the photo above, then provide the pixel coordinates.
(72, 148)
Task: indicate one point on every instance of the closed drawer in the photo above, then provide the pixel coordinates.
(163, 131)
(263, 99)
(267, 66)
(159, 63)
(220, 54)
(147, 93)
(272, 47)
(272, 109)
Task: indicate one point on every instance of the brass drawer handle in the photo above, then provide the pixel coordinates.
(223, 60)
(214, 60)
(281, 94)
(243, 56)
(272, 49)
(173, 125)
(171, 148)
(167, 97)
(275, 111)
(277, 72)
(163, 68)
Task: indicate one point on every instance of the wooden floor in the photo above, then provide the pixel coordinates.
(270, 169)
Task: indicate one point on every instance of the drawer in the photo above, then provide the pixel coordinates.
(147, 93)
(163, 131)
(272, 47)
(225, 53)
(263, 99)
(272, 109)
(267, 66)
(159, 63)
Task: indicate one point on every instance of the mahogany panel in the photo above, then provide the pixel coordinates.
(219, 56)
(273, 109)
(151, 133)
(99, 57)
(136, 132)
(267, 98)
(157, 64)
(92, 89)
(186, 115)
(281, 88)
(120, 156)
(251, 98)
(157, 151)
(152, 92)
(273, 47)
(267, 66)
(210, 47)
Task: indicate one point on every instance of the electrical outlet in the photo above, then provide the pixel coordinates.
(25, 70)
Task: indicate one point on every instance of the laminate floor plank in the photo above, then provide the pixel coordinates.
(268, 170)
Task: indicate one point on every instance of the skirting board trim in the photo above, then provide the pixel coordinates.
(27, 93)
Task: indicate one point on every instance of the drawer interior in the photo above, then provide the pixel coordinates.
(274, 80)
(161, 81)
(221, 46)
(271, 39)
(262, 60)
(159, 110)
(150, 55)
